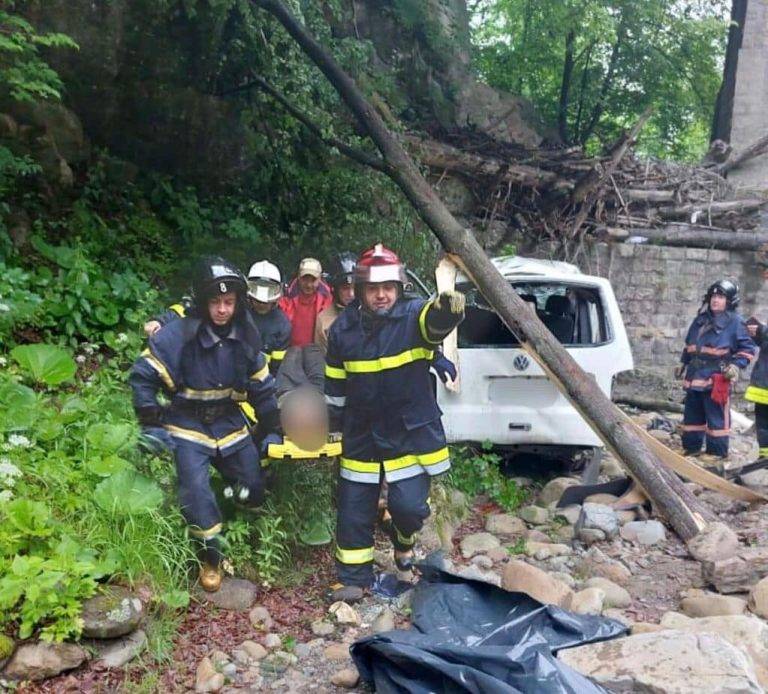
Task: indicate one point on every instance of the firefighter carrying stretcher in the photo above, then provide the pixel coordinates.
(206, 364)
(381, 398)
(717, 346)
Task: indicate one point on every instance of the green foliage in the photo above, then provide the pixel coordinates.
(519, 547)
(45, 363)
(476, 472)
(23, 73)
(69, 469)
(624, 57)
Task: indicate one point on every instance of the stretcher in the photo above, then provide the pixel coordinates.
(290, 451)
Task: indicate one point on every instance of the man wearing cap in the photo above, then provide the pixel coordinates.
(306, 297)
(381, 397)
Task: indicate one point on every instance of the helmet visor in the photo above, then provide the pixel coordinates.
(380, 273)
(264, 290)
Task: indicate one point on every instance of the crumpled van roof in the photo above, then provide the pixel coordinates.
(512, 265)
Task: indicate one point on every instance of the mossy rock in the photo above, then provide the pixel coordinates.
(7, 646)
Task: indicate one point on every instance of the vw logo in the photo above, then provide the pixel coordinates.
(521, 362)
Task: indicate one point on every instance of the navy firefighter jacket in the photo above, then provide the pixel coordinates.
(714, 341)
(274, 328)
(205, 376)
(378, 387)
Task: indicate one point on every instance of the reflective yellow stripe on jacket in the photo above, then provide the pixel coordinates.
(207, 441)
(757, 394)
(385, 363)
(158, 366)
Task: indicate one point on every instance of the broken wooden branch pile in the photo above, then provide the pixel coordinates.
(565, 196)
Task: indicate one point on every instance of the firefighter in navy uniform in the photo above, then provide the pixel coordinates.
(264, 290)
(342, 281)
(265, 287)
(717, 346)
(757, 392)
(381, 397)
(206, 365)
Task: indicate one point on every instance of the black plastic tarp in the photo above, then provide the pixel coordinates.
(470, 636)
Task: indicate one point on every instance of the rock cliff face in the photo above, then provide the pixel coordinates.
(145, 80)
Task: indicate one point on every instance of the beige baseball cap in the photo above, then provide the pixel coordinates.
(310, 266)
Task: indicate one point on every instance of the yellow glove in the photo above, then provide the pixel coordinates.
(731, 372)
(451, 301)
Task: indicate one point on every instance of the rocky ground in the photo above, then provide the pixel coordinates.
(685, 636)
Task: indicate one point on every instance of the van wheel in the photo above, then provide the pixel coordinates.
(592, 466)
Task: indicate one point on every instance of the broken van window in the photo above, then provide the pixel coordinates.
(573, 314)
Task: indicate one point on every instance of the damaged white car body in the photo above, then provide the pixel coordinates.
(504, 396)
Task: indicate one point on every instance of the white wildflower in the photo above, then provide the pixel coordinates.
(4, 308)
(87, 348)
(243, 493)
(228, 492)
(18, 441)
(80, 359)
(3, 361)
(8, 473)
(121, 337)
(5, 496)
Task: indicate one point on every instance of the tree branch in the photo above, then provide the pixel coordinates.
(353, 153)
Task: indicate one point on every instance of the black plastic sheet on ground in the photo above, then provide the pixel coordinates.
(470, 636)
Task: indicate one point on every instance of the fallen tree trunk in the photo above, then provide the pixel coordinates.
(673, 499)
(754, 150)
(650, 404)
(703, 238)
(442, 157)
(713, 209)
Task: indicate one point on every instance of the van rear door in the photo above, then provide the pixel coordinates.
(505, 396)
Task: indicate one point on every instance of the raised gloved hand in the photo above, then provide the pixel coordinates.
(451, 301)
(680, 371)
(264, 444)
(731, 372)
(150, 416)
(444, 368)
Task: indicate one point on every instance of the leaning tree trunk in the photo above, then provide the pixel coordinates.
(672, 498)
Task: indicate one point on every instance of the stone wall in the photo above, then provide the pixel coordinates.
(659, 290)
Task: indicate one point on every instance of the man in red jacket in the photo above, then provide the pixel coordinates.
(307, 295)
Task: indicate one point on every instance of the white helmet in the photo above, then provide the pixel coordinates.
(264, 282)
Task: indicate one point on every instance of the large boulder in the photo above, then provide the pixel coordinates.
(504, 525)
(701, 603)
(553, 490)
(39, 661)
(478, 542)
(235, 594)
(598, 517)
(715, 543)
(118, 652)
(745, 632)
(115, 612)
(668, 662)
(596, 563)
(524, 578)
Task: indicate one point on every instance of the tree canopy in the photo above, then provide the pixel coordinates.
(591, 67)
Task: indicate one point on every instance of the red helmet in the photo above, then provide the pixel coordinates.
(379, 264)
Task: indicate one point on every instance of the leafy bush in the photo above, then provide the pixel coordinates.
(78, 503)
(477, 472)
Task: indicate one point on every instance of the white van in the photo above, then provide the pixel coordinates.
(504, 395)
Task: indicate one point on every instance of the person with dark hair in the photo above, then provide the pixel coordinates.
(380, 396)
(341, 276)
(717, 346)
(206, 364)
(757, 391)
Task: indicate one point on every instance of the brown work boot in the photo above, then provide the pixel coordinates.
(210, 577)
